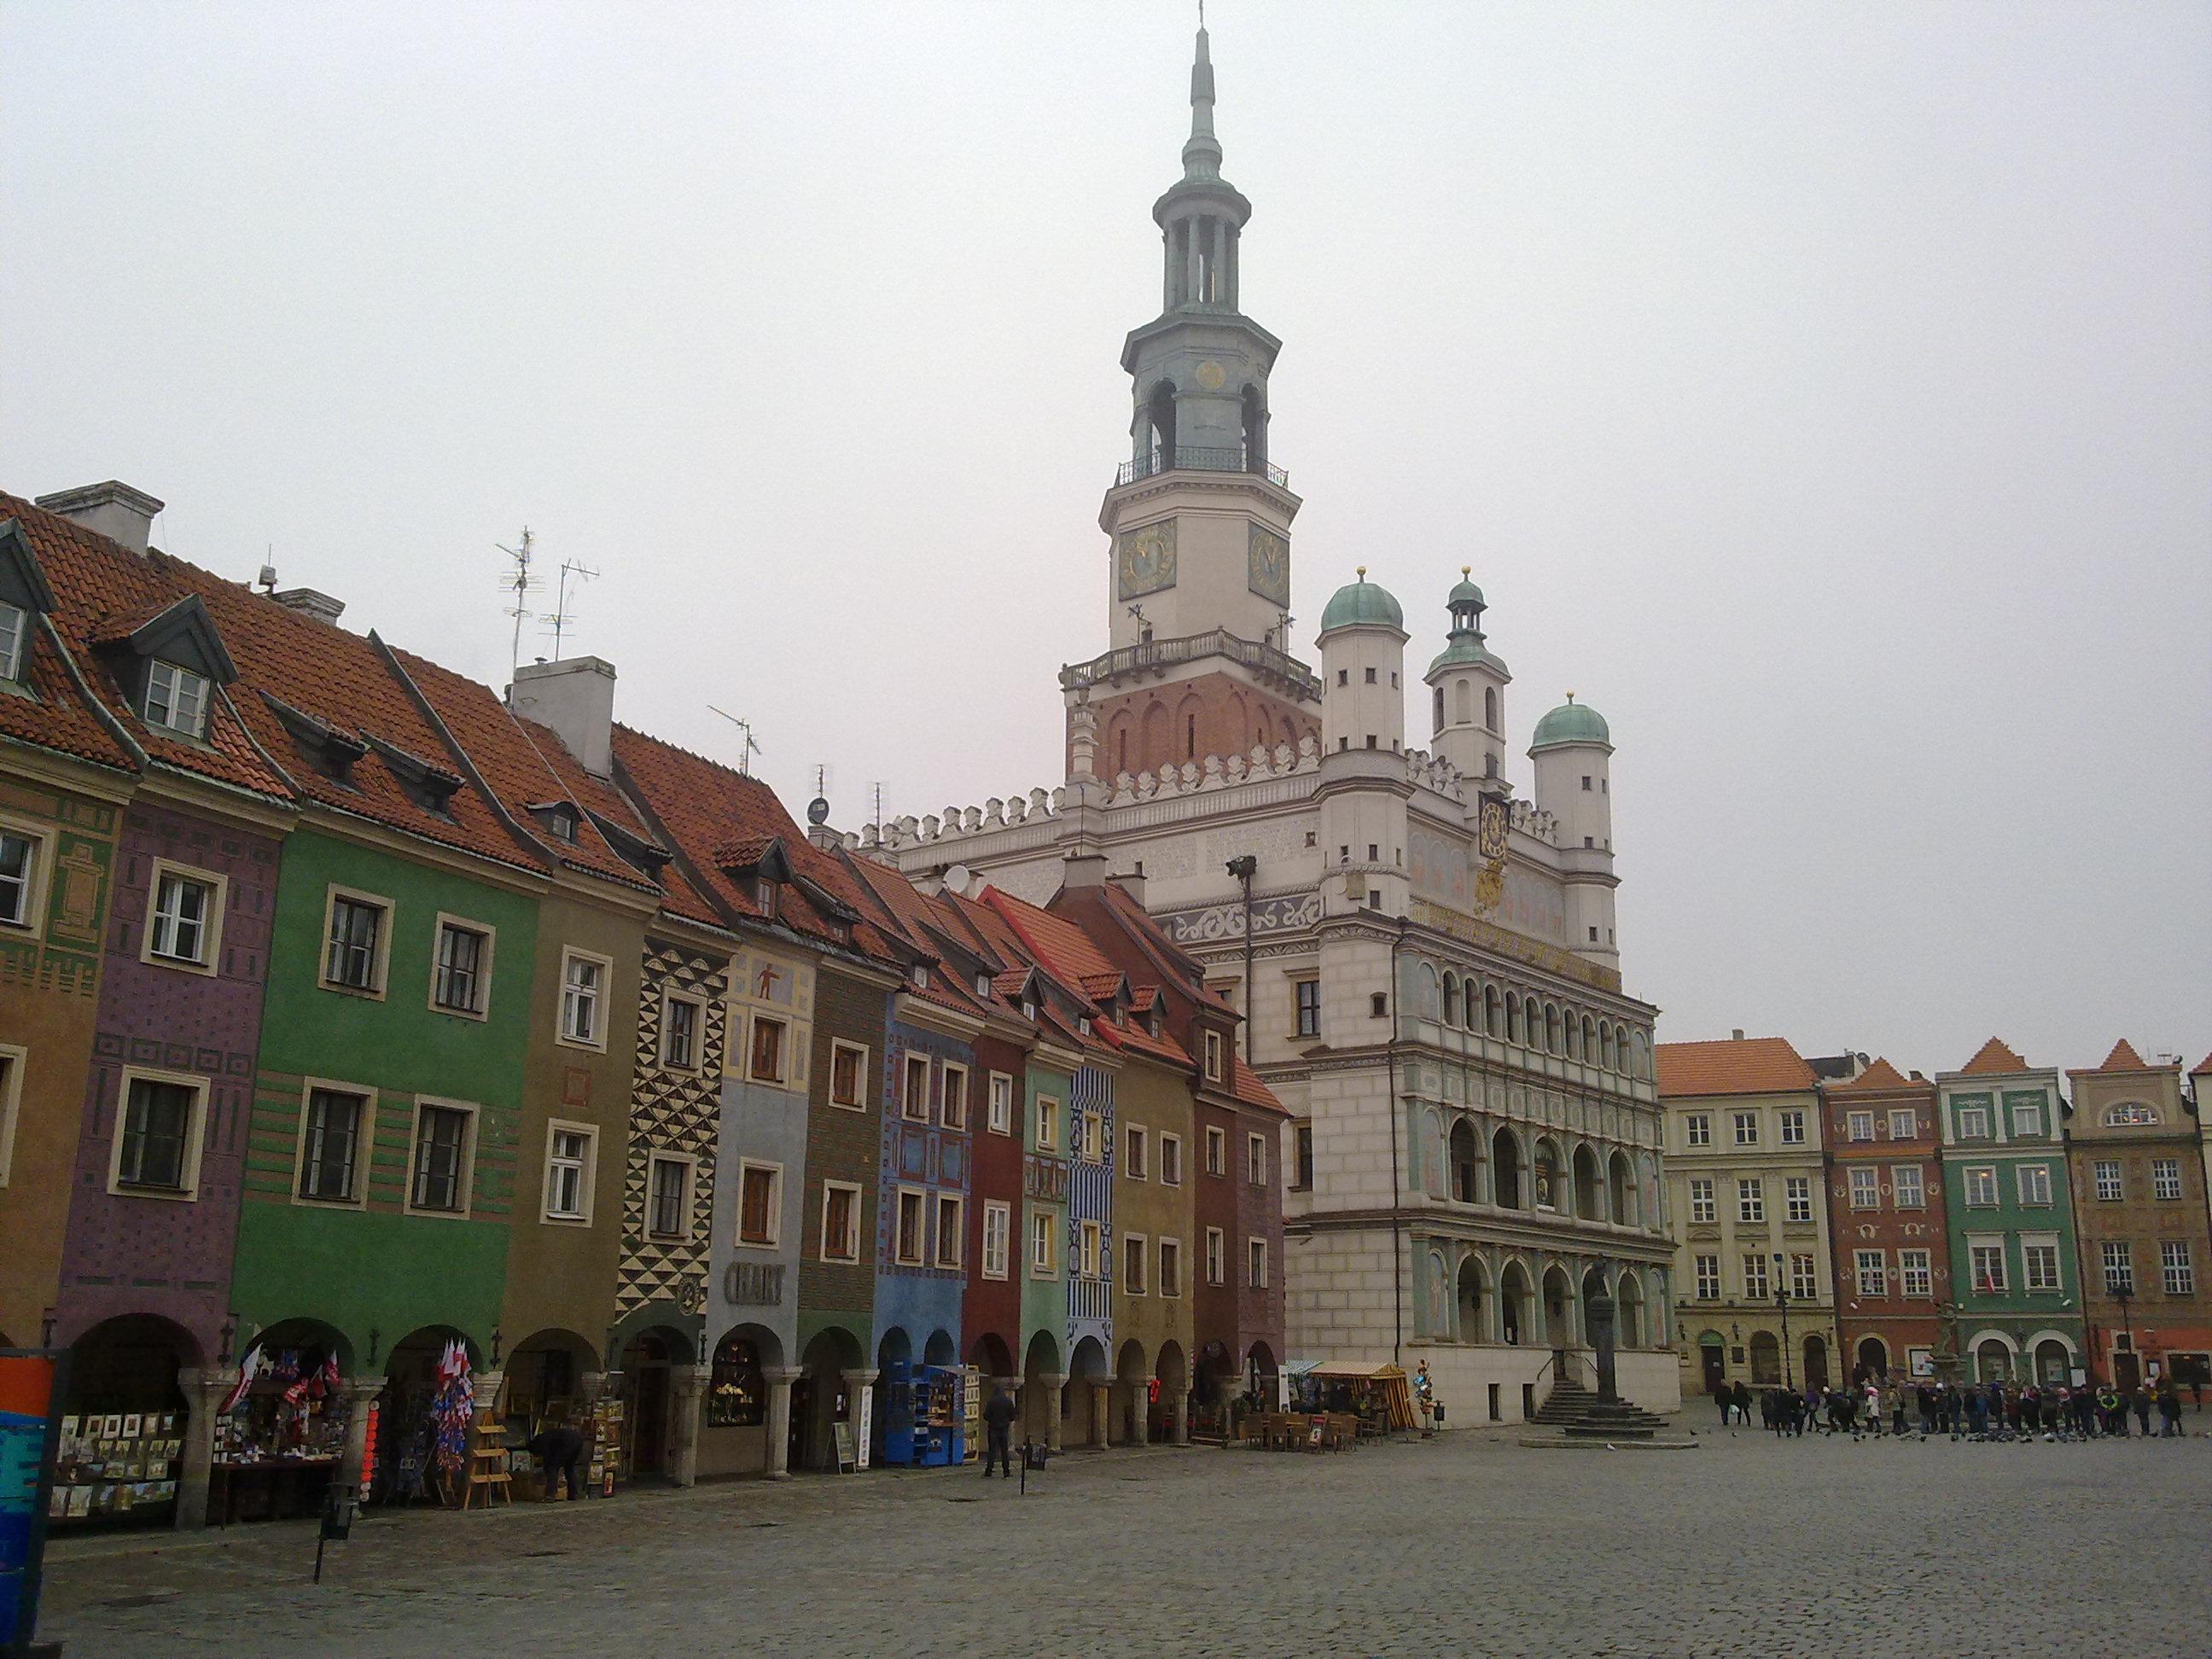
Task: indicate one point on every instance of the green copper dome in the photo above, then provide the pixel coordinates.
(1465, 593)
(1362, 602)
(1570, 722)
(1467, 651)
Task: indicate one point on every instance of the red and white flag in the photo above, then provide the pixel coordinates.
(248, 1368)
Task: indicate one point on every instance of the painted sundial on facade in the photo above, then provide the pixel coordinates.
(1269, 565)
(1144, 559)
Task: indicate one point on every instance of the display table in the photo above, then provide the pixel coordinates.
(268, 1489)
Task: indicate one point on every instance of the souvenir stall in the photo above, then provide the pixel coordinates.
(924, 1415)
(542, 1390)
(734, 1439)
(280, 1433)
(122, 1428)
(424, 1445)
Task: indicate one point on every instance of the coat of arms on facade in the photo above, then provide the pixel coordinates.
(1492, 829)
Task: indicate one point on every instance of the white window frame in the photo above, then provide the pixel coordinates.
(1804, 1277)
(365, 1141)
(185, 685)
(859, 1050)
(1255, 1160)
(1170, 1159)
(1136, 1150)
(1705, 1271)
(1165, 1250)
(774, 1239)
(1093, 1147)
(1977, 1185)
(1750, 1201)
(955, 1258)
(2176, 1268)
(586, 1179)
(13, 1061)
(908, 1064)
(1090, 1255)
(1217, 1256)
(208, 962)
(601, 999)
(2001, 1282)
(2044, 1248)
(669, 998)
(1865, 1186)
(1792, 1126)
(949, 1070)
(1047, 1264)
(381, 977)
(1797, 1199)
(1705, 1207)
(1871, 1269)
(1909, 1119)
(1214, 1052)
(690, 1229)
(999, 1111)
(920, 1257)
(2104, 1173)
(37, 868)
(1698, 1129)
(847, 1249)
(2027, 1120)
(1858, 1125)
(2166, 1179)
(1257, 1269)
(1980, 1116)
(465, 1178)
(1756, 1284)
(1743, 1128)
(17, 638)
(2031, 1185)
(1137, 1252)
(2120, 1252)
(187, 1190)
(998, 1226)
(1217, 1152)
(1048, 1123)
(1916, 1273)
(446, 923)
(1908, 1186)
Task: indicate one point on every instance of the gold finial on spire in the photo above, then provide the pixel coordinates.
(1363, 573)
(1571, 696)
(1467, 570)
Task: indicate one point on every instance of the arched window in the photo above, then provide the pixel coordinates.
(737, 1397)
(1160, 420)
(1551, 1030)
(1463, 702)
(1452, 1000)
(2131, 1113)
(1490, 707)
(1494, 1010)
(1190, 737)
(1439, 724)
(1256, 431)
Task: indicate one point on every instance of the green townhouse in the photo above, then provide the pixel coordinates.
(2011, 1217)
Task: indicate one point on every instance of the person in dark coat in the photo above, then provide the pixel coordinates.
(998, 1429)
(2141, 1401)
(560, 1454)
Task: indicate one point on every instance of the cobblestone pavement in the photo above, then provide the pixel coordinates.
(1475, 1545)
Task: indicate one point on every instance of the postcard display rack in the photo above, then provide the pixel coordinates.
(113, 1466)
(971, 1419)
(606, 1438)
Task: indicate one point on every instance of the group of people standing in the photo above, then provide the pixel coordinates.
(1972, 1411)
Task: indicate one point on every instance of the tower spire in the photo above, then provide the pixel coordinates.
(1202, 154)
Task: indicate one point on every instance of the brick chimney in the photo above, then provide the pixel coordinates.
(576, 698)
(112, 509)
(309, 603)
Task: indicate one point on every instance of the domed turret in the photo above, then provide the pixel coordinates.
(1571, 722)
(1363, 659)
(1362, 602)
(1468, 685)
(1573, 753)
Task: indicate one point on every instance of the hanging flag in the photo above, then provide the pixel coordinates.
(248, 1368)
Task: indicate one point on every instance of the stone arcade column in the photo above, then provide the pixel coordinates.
(1599, 1311)
(360, 1394)
(857, 1414)
(1053, 1382)
(1179, 1414)
(1102, 1415)
(687, 1388)
(780, 1379)
(203, 1390)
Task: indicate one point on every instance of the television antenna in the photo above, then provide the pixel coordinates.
(557, 623)
(751, 748)
(877, 788)
(521, 584)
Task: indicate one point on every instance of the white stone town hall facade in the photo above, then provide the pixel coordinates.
(1431, 975)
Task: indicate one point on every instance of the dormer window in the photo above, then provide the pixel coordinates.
(1214, 1056)
(176, 699)
(557, 819)
(922, 976)
(983, 986)
(1028, 1008)
(15, 632)
(765, 895)
(1083, 1024)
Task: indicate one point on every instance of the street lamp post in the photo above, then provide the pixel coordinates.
(2124, 1293)
(1781, 1306)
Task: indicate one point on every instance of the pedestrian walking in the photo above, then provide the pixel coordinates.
(998, 1432)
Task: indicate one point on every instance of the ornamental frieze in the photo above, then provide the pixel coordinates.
(1209, 923)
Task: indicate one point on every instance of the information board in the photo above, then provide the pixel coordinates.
(30, 1398)
(849, 1455)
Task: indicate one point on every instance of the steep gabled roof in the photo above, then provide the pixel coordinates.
(1993, 1057)
(2124, 1058)
(1074, 958)
(1879, 1075)
(1736, 1066)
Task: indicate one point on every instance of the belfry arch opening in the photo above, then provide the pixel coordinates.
(1256, 431)
(1160, 426)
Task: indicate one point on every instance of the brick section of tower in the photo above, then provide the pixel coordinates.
(1163, 725)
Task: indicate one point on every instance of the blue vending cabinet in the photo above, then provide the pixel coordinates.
(898, 1446)
(939, 1415)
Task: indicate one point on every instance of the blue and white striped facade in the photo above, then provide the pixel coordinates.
(1090, 1198)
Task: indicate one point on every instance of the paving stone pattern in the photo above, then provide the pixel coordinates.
(1746, 1546)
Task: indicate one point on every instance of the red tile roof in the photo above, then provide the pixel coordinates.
(2203, 1067)
(2124, 1058)
(1072, 955)
(1738, 1065)
(1995, 1056)
(1879, 1075)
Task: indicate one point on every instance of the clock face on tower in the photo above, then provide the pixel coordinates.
(1144, 559)
(1269, 565)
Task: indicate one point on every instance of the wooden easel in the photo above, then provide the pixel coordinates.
(488, 1467)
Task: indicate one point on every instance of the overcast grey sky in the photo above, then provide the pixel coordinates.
(1822, 391)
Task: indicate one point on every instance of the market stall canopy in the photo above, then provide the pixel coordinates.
(1387, 1381)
